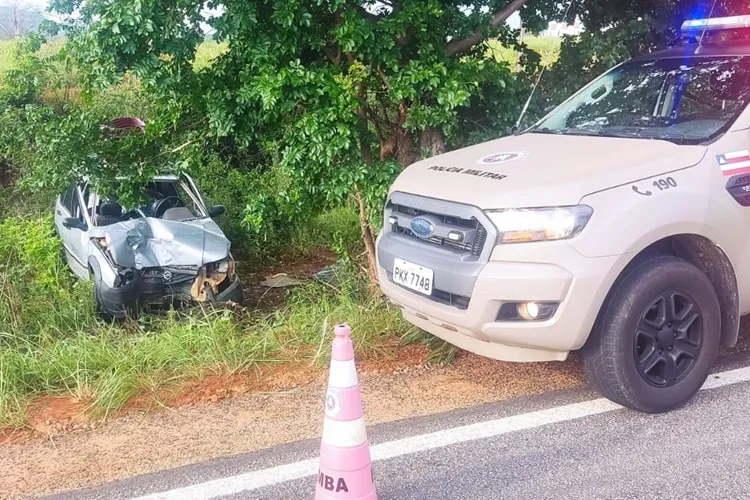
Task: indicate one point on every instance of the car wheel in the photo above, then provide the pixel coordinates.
(99, 309)
(657, 336)
(101, 312)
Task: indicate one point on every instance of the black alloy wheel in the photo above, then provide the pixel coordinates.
(668, 339)
(656, 336)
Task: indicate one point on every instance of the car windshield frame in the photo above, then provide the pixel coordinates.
(681, 69)
(181, 184)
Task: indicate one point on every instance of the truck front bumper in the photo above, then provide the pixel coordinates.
(516, 273)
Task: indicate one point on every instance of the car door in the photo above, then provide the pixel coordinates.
(63, 209)
(73, 204)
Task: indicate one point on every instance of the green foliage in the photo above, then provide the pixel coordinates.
(27, 76)
(337, 229)
(331, 98)
(37, 293)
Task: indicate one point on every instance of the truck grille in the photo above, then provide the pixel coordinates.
(474, 246)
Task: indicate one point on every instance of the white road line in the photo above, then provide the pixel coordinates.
(481, 430)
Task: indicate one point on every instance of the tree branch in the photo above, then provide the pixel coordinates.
(457, 46)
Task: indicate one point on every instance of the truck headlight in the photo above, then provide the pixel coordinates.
(540, 224)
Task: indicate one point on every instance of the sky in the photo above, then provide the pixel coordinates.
(33, 3)
(514, 21)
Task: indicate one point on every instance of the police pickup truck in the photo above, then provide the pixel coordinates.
(616, 225)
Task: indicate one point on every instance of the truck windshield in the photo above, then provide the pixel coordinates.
(687, 101)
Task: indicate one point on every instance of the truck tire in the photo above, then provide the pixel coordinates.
(656, 337)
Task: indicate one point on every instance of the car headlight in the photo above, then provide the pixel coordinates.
(540, 224)
(223, 266)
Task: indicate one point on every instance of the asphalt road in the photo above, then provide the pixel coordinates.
(568, 444)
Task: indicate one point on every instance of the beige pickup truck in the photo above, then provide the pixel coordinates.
(616, 226)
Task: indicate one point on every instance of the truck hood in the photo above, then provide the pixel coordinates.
(534, 170)
(150, 242)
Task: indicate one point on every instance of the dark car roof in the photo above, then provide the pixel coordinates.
(707, 49)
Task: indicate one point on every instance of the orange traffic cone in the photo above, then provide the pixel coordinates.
(345, 467)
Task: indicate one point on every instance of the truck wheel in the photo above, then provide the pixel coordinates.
(657, 336)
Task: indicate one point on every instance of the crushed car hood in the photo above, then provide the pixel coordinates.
(149, 242)
(534, 169)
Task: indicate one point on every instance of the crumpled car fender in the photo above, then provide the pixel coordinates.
(107, 273)
(113, 302)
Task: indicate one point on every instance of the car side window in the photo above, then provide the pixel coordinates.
(66, 199)
(87, 203)
(75, 206)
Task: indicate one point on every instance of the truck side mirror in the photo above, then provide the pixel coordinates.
(216, 211)
(74, 223)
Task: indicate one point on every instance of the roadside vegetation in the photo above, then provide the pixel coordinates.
(296, 117)
(51, 341)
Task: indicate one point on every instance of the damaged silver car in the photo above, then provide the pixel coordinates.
(166, 253)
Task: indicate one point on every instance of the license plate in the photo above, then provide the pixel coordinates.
(413, 276)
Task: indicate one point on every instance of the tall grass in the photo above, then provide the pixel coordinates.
(107, 365)
(50, 341)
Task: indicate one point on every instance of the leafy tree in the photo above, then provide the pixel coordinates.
(339, 94)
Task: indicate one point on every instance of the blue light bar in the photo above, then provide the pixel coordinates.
(696, 27)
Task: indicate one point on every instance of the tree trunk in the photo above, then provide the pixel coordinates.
(432, 140)
(16, 22)
(367, 236)
(406, 151)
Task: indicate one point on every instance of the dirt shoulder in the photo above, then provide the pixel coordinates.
(224, 416)
(140, 443)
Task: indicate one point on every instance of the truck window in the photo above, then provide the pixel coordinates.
(682, 100)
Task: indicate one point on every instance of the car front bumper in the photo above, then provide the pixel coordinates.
(233, 293)
(552, 272)
(149, 294)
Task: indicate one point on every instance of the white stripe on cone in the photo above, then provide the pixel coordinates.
(344, 434)
(343, 374)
